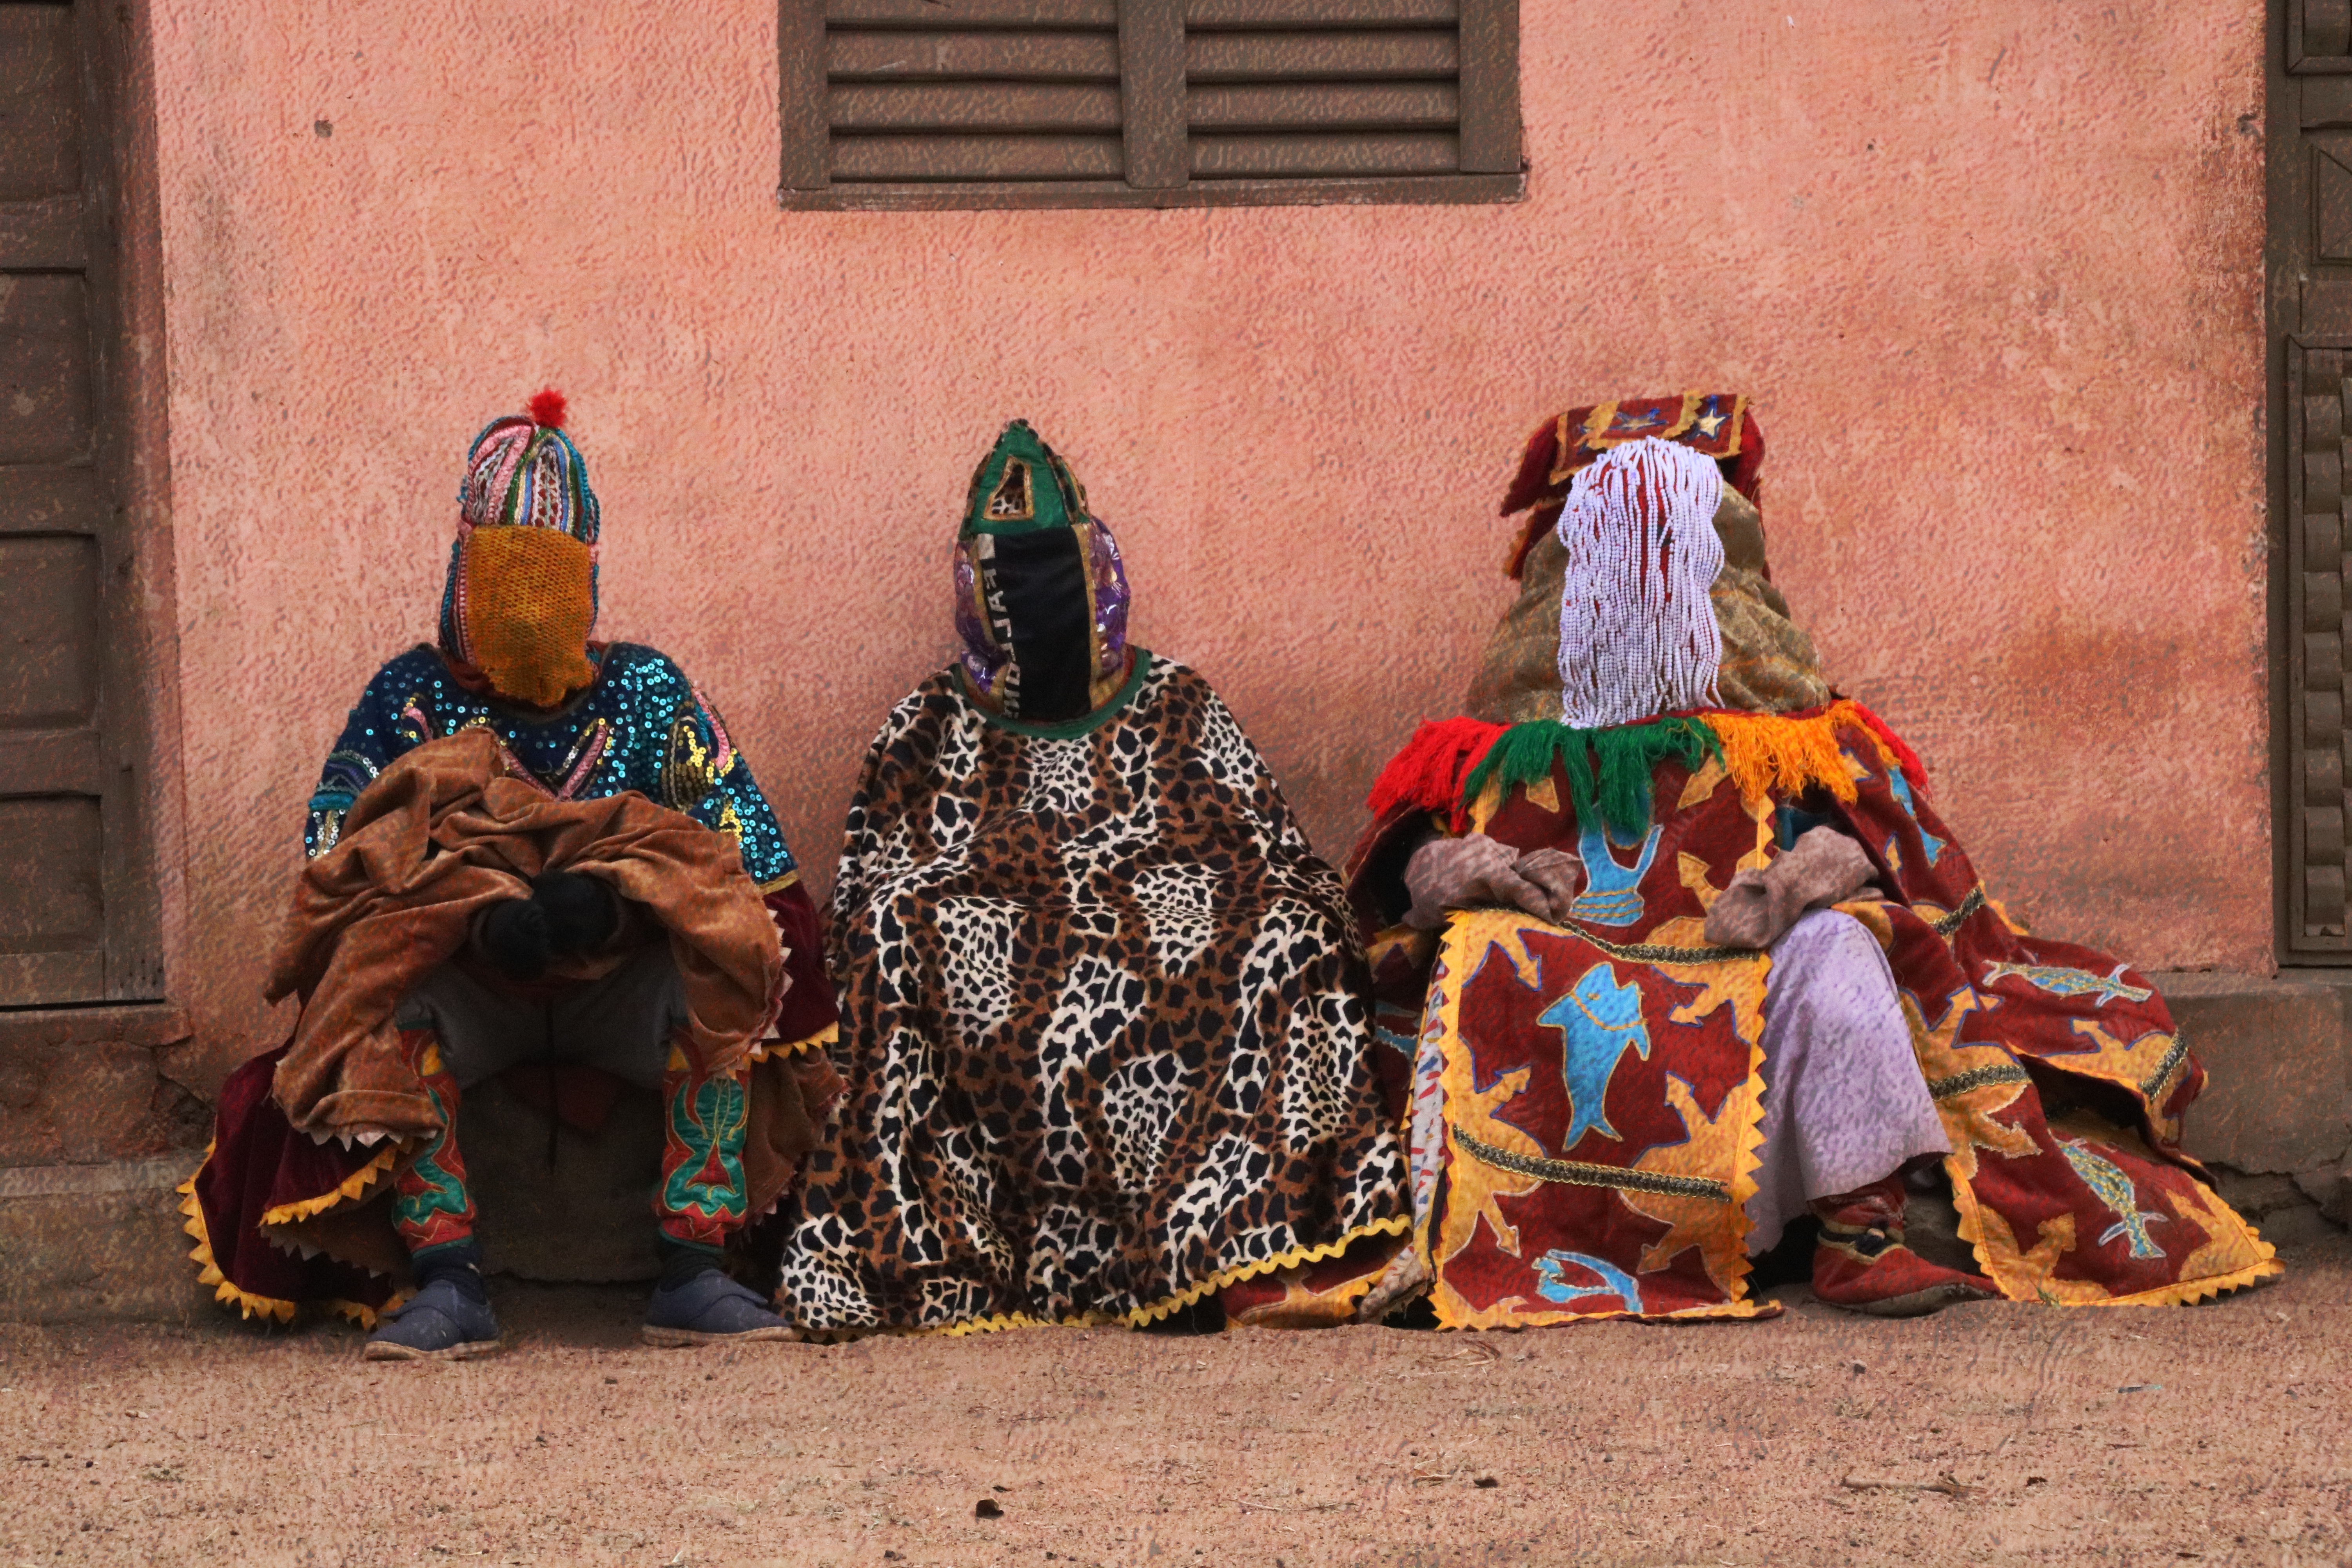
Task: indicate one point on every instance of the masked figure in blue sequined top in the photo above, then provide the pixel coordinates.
(577, 982)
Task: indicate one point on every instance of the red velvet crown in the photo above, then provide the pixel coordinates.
(1717, 423)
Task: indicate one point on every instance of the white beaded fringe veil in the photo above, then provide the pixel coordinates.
(1637, 631)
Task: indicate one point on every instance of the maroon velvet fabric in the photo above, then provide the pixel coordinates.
(257, 1163)
(808, 1002)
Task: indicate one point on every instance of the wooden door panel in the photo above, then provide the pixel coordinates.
(44, 369)
(48, 631)
(40, 103)
(52, 899)
(77, 900)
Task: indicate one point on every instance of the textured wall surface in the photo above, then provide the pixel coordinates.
(1989, 268)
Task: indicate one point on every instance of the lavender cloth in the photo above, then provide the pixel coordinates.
(1844, 1102)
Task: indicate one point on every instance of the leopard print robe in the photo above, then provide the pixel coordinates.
(1103, 1021)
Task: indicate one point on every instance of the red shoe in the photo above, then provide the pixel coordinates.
(1861, 1264)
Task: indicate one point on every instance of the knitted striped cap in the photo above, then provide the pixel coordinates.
(523, 471)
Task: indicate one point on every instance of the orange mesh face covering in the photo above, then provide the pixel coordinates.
(529, 601)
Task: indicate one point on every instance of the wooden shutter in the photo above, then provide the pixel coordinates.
(1325, 87)
(2314, 626)
(78, 908)
(940, 104)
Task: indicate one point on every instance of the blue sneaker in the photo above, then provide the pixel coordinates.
(710, 1308)
(448, 1319)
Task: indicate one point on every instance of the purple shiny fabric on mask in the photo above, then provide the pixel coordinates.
(985, 662)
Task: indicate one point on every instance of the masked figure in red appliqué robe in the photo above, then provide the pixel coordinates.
(1681, 951)
(536, 856)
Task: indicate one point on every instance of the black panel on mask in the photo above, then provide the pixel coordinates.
(1041, 580)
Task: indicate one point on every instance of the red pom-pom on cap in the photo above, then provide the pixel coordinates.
(546, 408)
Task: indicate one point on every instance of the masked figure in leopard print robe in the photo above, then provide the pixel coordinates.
(1102, 1014)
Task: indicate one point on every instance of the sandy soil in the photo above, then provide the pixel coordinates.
(2216, 1434)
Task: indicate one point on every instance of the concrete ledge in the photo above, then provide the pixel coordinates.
(2278, 1058)
(97, 1243)
(81, 1086)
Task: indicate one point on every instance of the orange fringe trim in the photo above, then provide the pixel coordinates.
(1766, 754)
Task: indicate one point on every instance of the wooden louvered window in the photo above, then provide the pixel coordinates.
(909, 104)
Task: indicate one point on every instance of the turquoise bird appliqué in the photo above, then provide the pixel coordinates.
(1600, 1021)
(2064, 981)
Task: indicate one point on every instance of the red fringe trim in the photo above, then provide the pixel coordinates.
(1428, 773)
(1914, 770)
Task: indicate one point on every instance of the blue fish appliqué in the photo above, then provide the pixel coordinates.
(1612, 891)
(1614, 1281)
(1599, 1020)
(2114, 1190)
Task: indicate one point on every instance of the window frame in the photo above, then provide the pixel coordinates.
(1155, 130)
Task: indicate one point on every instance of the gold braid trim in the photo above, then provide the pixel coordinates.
(1575, 1172)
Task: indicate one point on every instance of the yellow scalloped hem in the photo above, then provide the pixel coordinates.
(353, 1185)
(2194, 1291)
(1398, 1225)
(1516, 1318)
(208, 1267)
(824, 1039)
(1744, 1164)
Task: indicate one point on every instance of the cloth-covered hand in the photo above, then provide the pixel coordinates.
(1474, 870)
(581, 913)
(1559, 873)
(1825, 867)
(566, 914)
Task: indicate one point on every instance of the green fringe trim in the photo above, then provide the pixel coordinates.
(1627, 755)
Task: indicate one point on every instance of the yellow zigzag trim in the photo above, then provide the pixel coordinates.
(1745, 1165)
(208, 1267)
(1396, 1226)
(353, 1185)
(824, 1039)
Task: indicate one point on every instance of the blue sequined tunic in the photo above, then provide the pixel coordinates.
(641, 726)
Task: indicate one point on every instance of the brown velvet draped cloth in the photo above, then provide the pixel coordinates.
(1768, 662)
(443, 832)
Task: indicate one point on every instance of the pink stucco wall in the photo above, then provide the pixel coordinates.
(1990, 269)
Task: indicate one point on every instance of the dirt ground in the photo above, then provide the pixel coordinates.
(1990, 1434)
